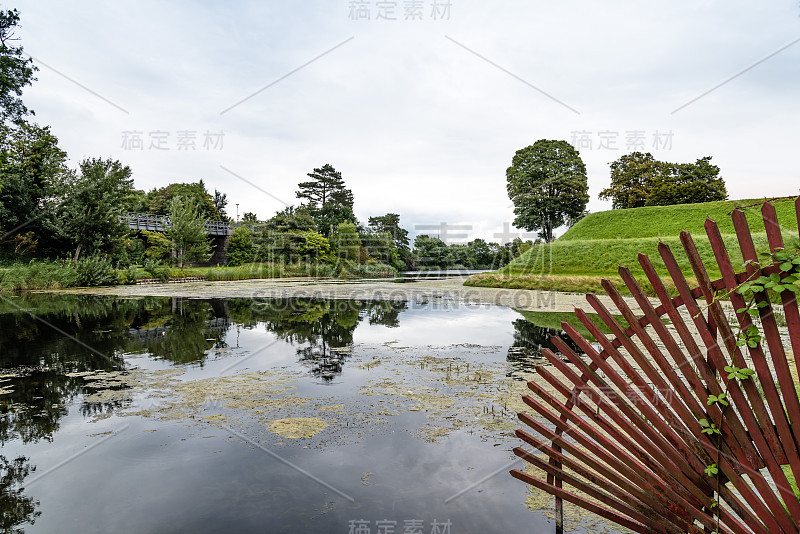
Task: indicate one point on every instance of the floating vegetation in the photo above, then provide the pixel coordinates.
(298, 427)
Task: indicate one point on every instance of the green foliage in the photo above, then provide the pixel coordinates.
(129, 275)
(16, 70)
(158, 246)
(220, 200)
(240, 247)
(159, 201)
(187, 232)
(326, 185)
(94, 200)
(709, 428)
(346, 242)
(638, 179)
(735, 372)
(156, 270)
(314, 246)
(380, 245)
(430, 252)
(95, 270)
(722, 399)
(547, 183)
(390, 223)
(38, 275)
(32, 173)
(327, 199)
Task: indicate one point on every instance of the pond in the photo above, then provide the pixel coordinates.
(157, 414)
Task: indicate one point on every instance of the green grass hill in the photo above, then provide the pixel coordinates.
(596, 246)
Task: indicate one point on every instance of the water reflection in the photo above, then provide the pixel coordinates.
(324, 328)
(16, 508)
(46, 343)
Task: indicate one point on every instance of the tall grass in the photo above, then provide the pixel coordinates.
(95, 271)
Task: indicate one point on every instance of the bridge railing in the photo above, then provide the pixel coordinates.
(160, 223)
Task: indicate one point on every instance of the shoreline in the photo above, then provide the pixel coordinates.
(447, 292)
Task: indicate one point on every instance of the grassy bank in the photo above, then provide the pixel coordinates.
(62, 274)
(668, 221)
(577, 261)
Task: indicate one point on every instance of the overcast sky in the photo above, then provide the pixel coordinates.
(421, 114)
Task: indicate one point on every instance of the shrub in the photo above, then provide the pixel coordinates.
(240, 247)
(95, 271)
(156, 270)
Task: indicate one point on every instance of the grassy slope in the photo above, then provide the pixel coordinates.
(668, 221)
(596, 246)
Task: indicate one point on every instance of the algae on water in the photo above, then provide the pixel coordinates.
(298, 427)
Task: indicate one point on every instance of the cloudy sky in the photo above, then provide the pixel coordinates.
(421, 114)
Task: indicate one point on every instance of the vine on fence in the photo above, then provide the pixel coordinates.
(788, 264)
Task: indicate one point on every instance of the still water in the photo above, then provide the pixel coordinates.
(277, 415)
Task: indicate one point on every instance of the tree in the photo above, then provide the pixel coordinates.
(346, 241)
(391, 223)
(240, 247)
(326, 186)
(481, 253)
(547, 183)
(688, 183)
(632, 179)
(332, 215)
(430, 251)
(381, 246)
(638, 179)
(282, 235)
(249, 217)
(16, 70)
(89, 216)
(327, 199)
(159, 201)
(187, 231)
(220, 201)
(33, 172)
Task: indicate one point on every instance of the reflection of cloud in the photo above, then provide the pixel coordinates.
(457, 324)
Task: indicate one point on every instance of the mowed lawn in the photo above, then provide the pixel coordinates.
(600, 243)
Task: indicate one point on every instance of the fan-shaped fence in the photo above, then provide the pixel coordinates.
(685, 419)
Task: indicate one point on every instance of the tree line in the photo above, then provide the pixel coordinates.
(548, 185)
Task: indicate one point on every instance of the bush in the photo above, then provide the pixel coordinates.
(128, 276)
(95, 271)
(240, 247)
(156, 270)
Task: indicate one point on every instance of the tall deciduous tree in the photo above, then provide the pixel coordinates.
(89, 216)
(32, 171)
(187, 232)
(547, 183)
(632, 179)
(16, 70)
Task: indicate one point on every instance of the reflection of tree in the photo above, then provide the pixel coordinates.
(192, 328)
(324, 327)
(529, 340)
(15, 507)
